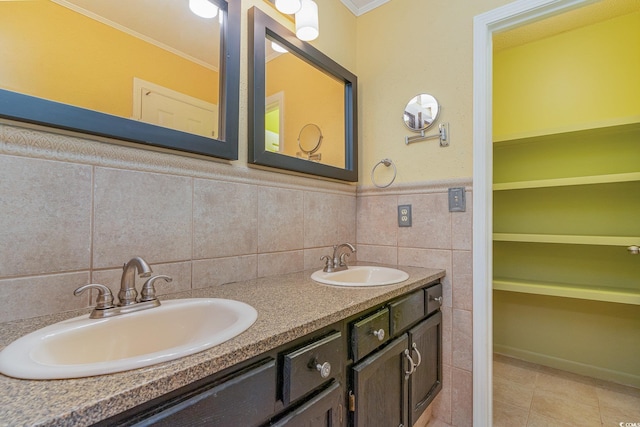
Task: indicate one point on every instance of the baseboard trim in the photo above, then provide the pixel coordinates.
(597, 372)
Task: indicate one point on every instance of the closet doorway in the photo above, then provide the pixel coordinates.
(541, 246)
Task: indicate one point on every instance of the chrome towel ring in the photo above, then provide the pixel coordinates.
(387, 163)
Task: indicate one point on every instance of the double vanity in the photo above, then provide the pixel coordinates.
(315, 352)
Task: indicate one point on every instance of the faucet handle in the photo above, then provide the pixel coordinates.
(328, 263)
(148, 292)
(343, 259)
(104, 299)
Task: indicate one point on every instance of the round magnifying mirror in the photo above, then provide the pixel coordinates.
(421, 112)
(310, 138)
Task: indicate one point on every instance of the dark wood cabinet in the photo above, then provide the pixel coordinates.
(245, 399)
(425, 343)
(381, 367)
(324, 410)
(394, 385)
(379, 391)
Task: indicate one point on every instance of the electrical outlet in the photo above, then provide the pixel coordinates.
(457, 201)
(404, 215)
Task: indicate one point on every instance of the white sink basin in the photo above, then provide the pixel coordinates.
(361, 275)
(81, 347)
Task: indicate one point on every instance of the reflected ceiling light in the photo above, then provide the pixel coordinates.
(203, 8)
(275, 46)
(307, 21)
(288, 6)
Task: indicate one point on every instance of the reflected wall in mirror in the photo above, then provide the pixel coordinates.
(147, 71)
(293, 85)
(421, 112)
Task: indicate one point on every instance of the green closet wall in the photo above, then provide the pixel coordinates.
(567, 200)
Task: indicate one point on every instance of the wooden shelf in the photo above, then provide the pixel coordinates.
(565, 290)
(599, 128)
(567, 239)
(563, 182)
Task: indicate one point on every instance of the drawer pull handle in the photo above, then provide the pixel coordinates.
(412, 366)
(438, 299)
(379, 334)
(324, 369)
(414, 347)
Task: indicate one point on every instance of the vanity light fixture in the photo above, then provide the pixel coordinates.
(307, 21)
(203, 8)
(288, 6)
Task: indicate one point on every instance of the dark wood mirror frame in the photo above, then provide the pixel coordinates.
(25, 108)
(261, 26)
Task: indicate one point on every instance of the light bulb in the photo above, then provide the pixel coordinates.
(307, 21)
(275, 46)
(288, 6)
(203, 8)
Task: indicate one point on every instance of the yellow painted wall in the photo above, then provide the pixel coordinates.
(52, 52)
(310, 96)
(405, 48)
(587, 337)
(575, 80)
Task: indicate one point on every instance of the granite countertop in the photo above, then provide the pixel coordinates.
(289, 306)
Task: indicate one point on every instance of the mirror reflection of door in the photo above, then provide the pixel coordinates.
(274, 123)
(86, 53)
(163, 107)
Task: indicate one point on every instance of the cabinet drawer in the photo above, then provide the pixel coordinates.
(433, 298)
(369, 333)
(246, 399)
(311, 366)
(324, 410)
(406, 311)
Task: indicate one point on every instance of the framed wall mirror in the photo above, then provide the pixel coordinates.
(294, 88)
(146, 71)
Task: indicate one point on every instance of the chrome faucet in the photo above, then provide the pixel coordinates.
(128, 294)
(338, 261)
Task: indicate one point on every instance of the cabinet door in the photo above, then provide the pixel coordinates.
(324, 410)
(425, 343)
(380, 387)
(246, 399)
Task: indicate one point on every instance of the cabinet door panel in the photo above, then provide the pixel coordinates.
(324, 410)
(380, 387)
(244, 400)
(426, 380)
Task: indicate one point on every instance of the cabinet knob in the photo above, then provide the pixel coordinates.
(379, 334)
(634, 250)
(438, 299)
(324, 369)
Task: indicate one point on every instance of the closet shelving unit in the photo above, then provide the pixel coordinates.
(566, 208)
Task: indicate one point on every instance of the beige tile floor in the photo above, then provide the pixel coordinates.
(525, 394)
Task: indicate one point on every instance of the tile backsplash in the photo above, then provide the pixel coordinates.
(73, 210)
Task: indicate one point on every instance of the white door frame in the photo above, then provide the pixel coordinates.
(503, 18)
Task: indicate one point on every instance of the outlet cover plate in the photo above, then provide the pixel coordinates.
(404, 215)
